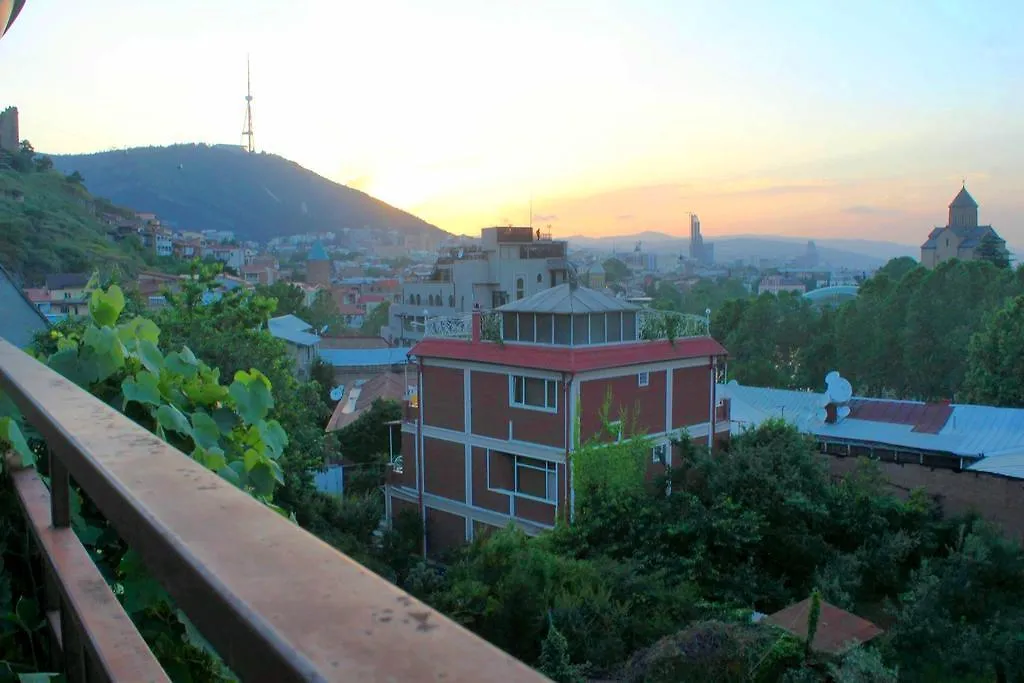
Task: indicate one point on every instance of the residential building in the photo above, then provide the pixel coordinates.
(961, 236)
(259, 274)
(360, 395)
(21, 319)
(318, 266)
(509, 264)
(489, 428)
(302, 341)
(776, 284)
(65, 294)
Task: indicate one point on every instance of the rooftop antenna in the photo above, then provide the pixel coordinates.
(247, 133)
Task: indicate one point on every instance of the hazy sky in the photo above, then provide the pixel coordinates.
(799, 117)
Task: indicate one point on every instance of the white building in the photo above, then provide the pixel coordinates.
(510, 263)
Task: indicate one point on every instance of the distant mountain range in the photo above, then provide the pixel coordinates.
(221, 187)
(837, 253)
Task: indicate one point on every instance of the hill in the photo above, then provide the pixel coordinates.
(837, 253)
(49, 224)
(259, 196)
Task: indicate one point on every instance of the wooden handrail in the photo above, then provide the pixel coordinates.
(275, 602)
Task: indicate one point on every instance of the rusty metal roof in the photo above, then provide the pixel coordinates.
(838, 630)
(925, 418)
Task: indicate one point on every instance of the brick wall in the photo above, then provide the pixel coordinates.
(642, 408)
(691, 396)
(443, 398)
(997, 499)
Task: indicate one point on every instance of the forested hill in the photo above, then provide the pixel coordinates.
(259, 196)
(50, 224)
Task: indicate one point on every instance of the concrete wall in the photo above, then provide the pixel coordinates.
(20, 319)
(998, 499)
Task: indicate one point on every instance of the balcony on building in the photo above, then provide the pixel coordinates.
(276, 603)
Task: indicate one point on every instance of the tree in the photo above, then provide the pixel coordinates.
(376, 319)
(615, 271)
(995, 359)
(896, 268)
(44, 164)
(76, 178)
(323, 314)
(554, 658)
(290, 299)
(993, 250)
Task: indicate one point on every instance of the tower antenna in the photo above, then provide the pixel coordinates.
(247, 133)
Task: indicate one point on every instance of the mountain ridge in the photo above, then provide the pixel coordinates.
(196, 186)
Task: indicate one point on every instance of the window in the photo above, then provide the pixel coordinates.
(451, 301)
(398, 465)
(527, 477)
(533, 392)
(520, 287)
(659, 454)
(643, 379)
(540, 278)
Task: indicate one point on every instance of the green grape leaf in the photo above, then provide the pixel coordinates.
(138, 329)
(205, 431)
(105, 307)
(204, 393)
(27, 611)
(251, 459)
(273, 436)
(230, 474)
(67, 364)
(102, 353)
(226, 419)
(171, 418)
(252, 397)
(150, 356)
(262, 479)
(143, 388)
(175, 364)
(210, 458)
(188, 357)
(10, 433)
(39, 678)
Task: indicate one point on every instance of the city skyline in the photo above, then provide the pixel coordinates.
(613, 118)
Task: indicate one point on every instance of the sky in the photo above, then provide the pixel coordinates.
(803, 118)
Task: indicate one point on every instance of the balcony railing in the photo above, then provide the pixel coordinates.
(274, 601)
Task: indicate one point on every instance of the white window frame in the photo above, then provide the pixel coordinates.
(550, 479)
(525, 406)
(643, 379)
(659, 454)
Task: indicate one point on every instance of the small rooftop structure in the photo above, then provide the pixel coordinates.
(362, 358)
(317, 253)
(387, 386)
(67, 281)
(838, 630)
(569, 299)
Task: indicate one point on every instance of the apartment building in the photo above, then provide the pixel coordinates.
(509, 264)
(495, 399)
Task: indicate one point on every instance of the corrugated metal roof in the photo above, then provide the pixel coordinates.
(350, 358)
(293, 329)
(568, 299)
(994, 434)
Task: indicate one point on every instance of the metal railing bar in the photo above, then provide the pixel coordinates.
(60, 492)
(273, 600)
(86, 601)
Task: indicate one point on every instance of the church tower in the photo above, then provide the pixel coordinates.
(963, 210)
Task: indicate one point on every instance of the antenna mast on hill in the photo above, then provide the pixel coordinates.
(248, 136)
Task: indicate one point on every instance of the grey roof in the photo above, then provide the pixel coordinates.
(293, 329)
(963, 199)
(21, 318)
(971, 235)
(66, 280)
(354, 358)
(996, 435)
(568, 299)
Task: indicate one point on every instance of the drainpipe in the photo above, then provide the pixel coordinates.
(569, 407)
(419, 453)
(711, 412)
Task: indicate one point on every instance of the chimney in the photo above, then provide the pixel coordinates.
(831, 413)
(476, 324)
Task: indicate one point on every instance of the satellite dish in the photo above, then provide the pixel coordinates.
(840, 391)
(844, 411)
(831, 377)
(337, 392)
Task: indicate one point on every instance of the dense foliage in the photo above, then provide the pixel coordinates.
(260, 196)
(908, 334)
(51, 225)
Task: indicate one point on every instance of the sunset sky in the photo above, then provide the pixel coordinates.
(854, 119)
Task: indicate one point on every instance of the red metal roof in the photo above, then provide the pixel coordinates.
(568, 359)
(837, 629)
(927, 418)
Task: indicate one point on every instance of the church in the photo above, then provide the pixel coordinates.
(961, 237)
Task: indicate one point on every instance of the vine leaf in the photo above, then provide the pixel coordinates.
(105, 307)
(150, 356)
(143, 388)
(27, 612)
(205, 431)
(251, 392)
(10, 433)
(171, 418)
(273, 436)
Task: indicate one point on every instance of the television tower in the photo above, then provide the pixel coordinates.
(248, 136)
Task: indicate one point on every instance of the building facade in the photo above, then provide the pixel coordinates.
(509, 264)
(492, 419)
(961, 237)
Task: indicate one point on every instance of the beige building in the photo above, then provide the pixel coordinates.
(961, 236)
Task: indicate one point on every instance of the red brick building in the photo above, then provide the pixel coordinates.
(489, 426)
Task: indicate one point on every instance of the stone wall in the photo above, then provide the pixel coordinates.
(9, 139)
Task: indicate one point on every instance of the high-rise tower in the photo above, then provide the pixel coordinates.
(248, 137)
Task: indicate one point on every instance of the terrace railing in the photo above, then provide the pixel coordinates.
(274, 601)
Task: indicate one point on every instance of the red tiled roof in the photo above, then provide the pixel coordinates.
(927, 418)
(371, 298)
(568, 359)
(837, 629)
(37, 294)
